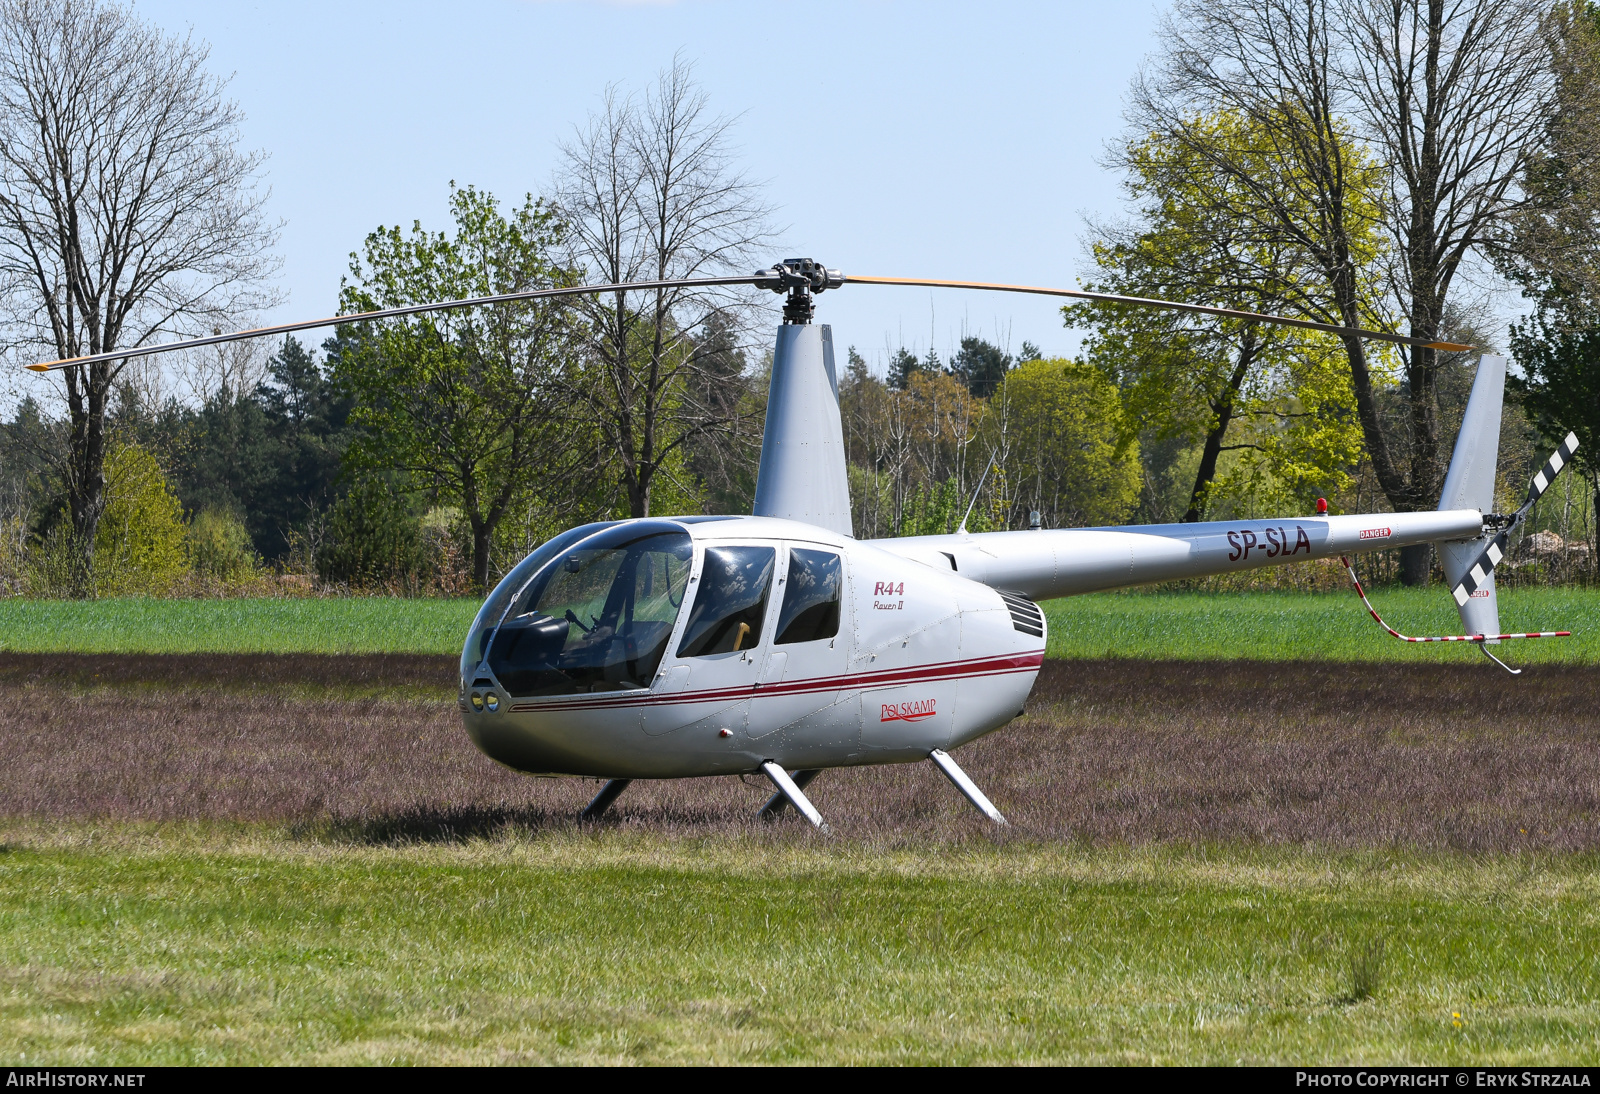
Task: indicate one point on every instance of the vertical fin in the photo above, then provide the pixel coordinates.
(803, 475)
(1469, 484)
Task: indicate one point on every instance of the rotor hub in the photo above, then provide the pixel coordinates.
(802, 279)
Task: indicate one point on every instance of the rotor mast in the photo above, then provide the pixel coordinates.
(802, 279)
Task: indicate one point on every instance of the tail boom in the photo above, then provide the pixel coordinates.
(1045, 564)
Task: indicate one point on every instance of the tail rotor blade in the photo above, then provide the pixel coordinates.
(1478, 573)
(1552, 467)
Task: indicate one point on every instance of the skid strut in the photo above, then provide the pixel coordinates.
(786, 786)
(609, 793)
(778, 803)
(968, 788)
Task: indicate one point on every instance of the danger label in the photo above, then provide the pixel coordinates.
(1374, 533)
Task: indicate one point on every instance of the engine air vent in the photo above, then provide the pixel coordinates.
(1025, 614)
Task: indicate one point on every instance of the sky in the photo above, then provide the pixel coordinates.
(899, 139)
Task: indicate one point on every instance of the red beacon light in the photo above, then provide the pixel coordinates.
(1322, 507)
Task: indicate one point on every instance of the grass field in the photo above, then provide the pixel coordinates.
(241, 857)
(1315, 626)
(1187, 626)
(226, 946)
(139, 625)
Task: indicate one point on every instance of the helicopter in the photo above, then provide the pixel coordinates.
(776, 643)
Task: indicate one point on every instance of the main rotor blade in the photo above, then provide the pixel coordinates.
(1147, 302)
(764, 278)
(393, 313)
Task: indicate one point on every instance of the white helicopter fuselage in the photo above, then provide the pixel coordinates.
(921, 659)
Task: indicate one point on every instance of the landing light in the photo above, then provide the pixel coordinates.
(492, 701)
(477, 700)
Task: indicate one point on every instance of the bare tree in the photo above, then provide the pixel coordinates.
(650, 192)
(1447, 96)
(126, 209)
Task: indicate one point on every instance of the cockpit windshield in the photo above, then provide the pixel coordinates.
(499, 601)
(597, 616)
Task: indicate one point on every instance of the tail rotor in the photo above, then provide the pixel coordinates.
(1482, 567)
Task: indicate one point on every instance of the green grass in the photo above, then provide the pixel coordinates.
(181, 946)
(1315, 626)
(140, 625)
(1263, 626)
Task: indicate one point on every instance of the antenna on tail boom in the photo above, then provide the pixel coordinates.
(981, 480)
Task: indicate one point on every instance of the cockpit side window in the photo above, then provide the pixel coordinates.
(810, 598)
(731, 602)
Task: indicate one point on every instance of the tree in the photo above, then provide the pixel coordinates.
(649, 193)
(903, 365)
(725, 461)
(308, 429)
(980, 365)
(271, 456)
(467, 403)
(126, 209)
(373, 537)
(1062, 451)
(1447, 97)
(141, 538)
(1559, 350)
(1225, 385)
(1553, 252)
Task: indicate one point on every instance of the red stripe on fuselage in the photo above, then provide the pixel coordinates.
(950, 670)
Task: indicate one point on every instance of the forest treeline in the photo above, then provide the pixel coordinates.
(1307, 160)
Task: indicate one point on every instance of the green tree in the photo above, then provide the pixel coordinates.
(1446, 100)
(139, 543)
(725, 460)
(1554, 252)
(903, 365)
(980, 365)
(219, 545)
(466, 404)
(373, 538)
(1560, 356)
(1224, 385)
(308, 429)
(1056, 428)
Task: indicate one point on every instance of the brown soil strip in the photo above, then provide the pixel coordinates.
(1445, 757)
(231, 670)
